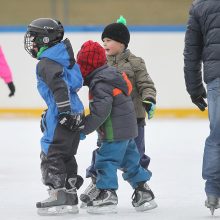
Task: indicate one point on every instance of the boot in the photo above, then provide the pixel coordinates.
(212, 202)
(105, 202)
(143, 198)
(60, 201)
(90, 193)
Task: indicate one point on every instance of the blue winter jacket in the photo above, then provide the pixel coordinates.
(58, 80)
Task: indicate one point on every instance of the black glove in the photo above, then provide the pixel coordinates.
(11, 87)
(199, 101)
(73, 122)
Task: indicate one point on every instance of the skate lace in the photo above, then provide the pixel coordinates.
(52, 195)
(71, 191)
(91, 189)
(103, 194)
(144, 189)
(134, 196)
(94, 191)
(53, 192)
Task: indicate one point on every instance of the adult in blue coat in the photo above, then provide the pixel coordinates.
(202, 46)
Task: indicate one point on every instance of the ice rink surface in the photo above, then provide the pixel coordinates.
(175, 148)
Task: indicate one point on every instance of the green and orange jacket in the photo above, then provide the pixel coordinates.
(112, 111)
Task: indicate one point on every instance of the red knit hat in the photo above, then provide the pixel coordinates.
(90, 57)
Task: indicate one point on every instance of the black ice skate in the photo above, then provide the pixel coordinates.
(143, 198)
(90, 193)
(60, 201)
(105, 202)
(212, 203)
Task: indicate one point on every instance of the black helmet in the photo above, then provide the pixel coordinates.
(42, 32)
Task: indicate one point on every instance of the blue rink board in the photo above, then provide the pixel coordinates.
(99, 28)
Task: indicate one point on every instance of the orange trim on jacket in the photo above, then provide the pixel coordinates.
(117, 91)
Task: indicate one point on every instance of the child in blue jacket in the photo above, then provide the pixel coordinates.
(58, 80)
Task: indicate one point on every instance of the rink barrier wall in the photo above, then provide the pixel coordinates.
(160, 113)
(161, 44)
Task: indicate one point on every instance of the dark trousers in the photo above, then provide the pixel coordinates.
(140, 142)
(59, 163)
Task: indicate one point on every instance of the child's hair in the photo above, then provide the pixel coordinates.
(90, 57)
(117, 31)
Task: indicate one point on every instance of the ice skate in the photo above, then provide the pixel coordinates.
(212, 203)
(61, 201)
(105, 203)
(90, 193)
(143, 198)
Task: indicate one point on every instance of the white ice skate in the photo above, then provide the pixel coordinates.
(61, 201)
(57, 210)
(105, 203)
(143, 198)
(108, 209)
(212, 203)
(83, 205)
(90, 193)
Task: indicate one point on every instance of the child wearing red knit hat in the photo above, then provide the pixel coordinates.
(112, 114)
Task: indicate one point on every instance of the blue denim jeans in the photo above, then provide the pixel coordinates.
(211, 157)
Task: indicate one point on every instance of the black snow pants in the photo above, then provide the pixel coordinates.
(59, 164)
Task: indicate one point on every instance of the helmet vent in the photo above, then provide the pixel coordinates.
(46, 40)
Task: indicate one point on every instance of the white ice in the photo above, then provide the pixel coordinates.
(175, 148)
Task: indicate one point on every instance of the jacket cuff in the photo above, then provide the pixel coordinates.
(150, 99)
(64, 106)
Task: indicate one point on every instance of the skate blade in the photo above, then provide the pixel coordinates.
(83, 205)
(146, 206)
(58, 210)
(102, 209)
(212, 209)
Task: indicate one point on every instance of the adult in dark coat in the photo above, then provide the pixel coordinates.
(202, 48)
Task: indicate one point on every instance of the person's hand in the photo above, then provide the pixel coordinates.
(72, 121)
(199, 101)
(11, 87)
(82, 136)
(150, 108)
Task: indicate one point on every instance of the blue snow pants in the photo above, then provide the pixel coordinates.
(140, 142)
(119, 155)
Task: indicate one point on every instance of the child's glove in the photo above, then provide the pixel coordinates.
(11, 87)
(71, 121)
(199, 101)
(150, 108)
(82, 136)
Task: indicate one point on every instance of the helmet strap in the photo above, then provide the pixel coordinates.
(42, 49)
